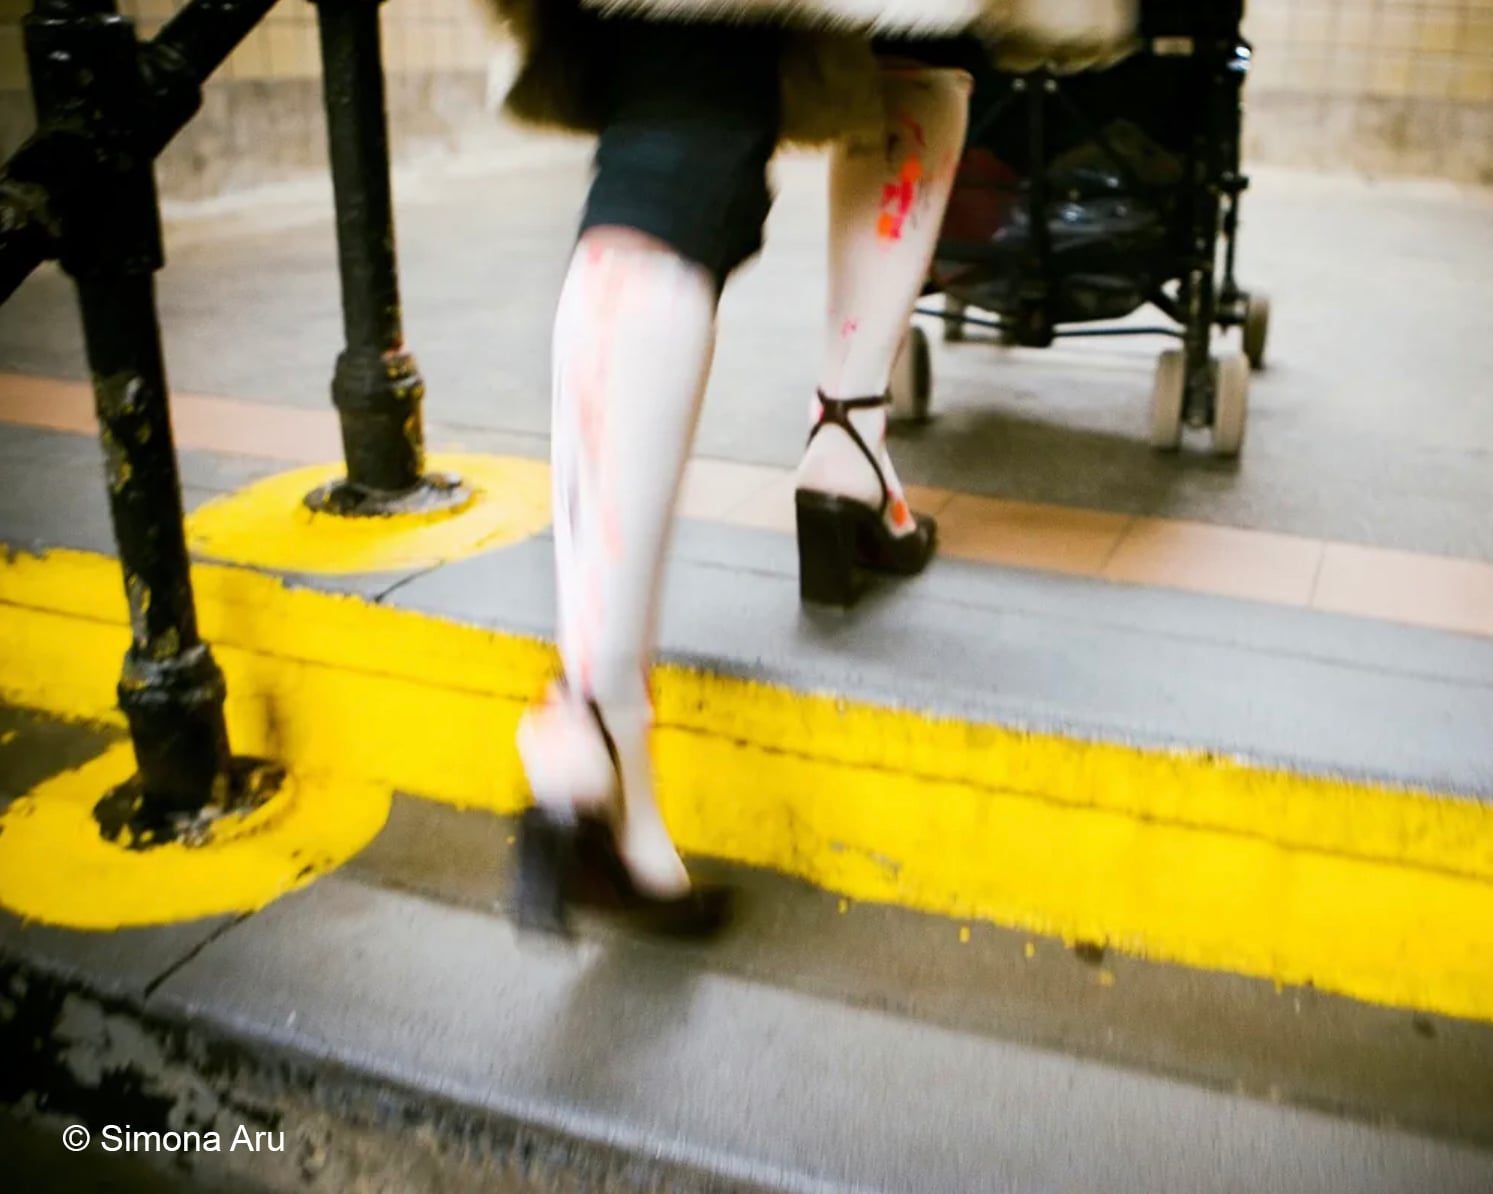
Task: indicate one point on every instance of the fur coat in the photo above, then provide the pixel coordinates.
(830, 84)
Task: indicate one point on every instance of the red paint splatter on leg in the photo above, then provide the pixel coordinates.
(897, 199)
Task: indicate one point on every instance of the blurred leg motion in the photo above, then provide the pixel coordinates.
(677, 204)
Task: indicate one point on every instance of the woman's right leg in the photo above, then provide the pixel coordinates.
(677, 202)
(632, 346)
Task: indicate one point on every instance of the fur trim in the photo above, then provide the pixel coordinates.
(1046, 28)
(831, 87)
(881, 16)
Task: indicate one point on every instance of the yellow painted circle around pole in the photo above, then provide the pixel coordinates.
(57, 868)
(268, 524)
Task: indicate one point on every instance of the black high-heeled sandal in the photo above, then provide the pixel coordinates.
(839, 536)
(575, 862)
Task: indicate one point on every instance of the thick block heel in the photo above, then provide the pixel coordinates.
(826, 550)
(838, 536)
(546, 848)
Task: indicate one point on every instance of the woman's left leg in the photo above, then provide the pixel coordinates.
(886, 207)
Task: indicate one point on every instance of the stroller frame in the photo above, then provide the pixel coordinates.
(1192, 386)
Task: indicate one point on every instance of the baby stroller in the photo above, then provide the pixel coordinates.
(1083, 198)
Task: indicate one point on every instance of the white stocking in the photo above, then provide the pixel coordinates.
(886, 207)
(633, 341)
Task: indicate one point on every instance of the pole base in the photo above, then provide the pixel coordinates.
(434, 493)
(128, 817)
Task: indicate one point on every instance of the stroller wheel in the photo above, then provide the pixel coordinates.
(1230, 404)
(911, 389)
(1256, 329)
(1167, 393)
(953, 324)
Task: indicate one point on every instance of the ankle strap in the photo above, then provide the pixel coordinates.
(837, 411)
(593, 707)
(606, 737)
(845, 405)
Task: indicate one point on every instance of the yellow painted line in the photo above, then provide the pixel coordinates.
(56, 868)
(1373, 892)
(268, 525)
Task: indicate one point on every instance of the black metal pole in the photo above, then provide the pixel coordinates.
(376, 386)
(1234, 180)
(1039, 83)
(203, 33)
(26, 237)
(85, 75)
(171, 691)
(1036, 327)
(25, 241)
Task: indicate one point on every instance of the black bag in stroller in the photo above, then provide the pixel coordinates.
(1083, 198)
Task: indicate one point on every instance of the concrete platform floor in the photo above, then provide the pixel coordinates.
(390, 1023)
(1373, 425)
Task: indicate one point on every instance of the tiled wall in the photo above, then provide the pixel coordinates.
(419, 35)
(1389, 49)
(261, 117)
(1387, 86)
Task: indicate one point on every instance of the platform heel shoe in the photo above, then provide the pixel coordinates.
(841, 538)
(567, 850)
(546, 858)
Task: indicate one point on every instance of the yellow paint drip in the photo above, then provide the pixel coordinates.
(56, 868)
(268, 524)
(1370, 891)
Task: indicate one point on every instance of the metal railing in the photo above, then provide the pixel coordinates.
(82, 191)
